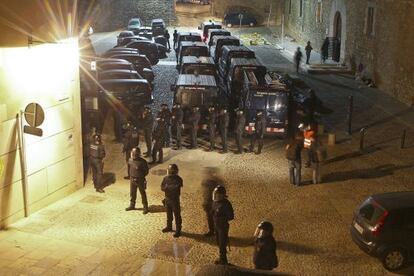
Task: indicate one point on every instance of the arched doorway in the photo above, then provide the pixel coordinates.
(337, 29)
(192, 12)
(338, 25)
(337, 35)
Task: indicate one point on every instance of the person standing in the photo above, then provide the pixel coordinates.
(240, 124)
(177, 123)
(194, 119)
(264, 255)
(297, 59)
(259, 131)
(308, 50)
(317, 156)
(171, 185)
(212, 116)
(159, 140)
(224, 125)
(138, 170)
(165, 115)
(222, 214)
(148, 125)
(130, 141)
(97, 154)
(309, 139)
(325, 50)
(293, 155)
(167, 37)
(175, 37)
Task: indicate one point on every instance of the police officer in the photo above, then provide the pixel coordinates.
(212, 116)
(119, 120)
(264, 256)
(147, 125)
(259, 131)
(138, 170)
(159, 141)
(165, 114)
(177, 122)
(194, 119)
(224, 124)
(240, 123)
(294, 157)
(171, 185)
(97, 154)
(130, 141)
(222, 214)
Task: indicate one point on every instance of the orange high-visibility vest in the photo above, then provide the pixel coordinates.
(309, 137)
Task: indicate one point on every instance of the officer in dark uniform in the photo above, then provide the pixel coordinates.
(97, 154)
(259, 131)
(240, 123)
(177, 123)
(224, 125)
(165, 114)
(171, 185)
(159, 141)
(212, 116)
(119, 120)
(264, 256)
(138, 170)
(222, 214)
(194, 119)
(147, 125)
(130, 141)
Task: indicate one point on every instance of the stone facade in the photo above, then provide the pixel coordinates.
(114, 15)
(384, 53)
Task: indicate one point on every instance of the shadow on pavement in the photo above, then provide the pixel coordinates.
(377, 172)
(389, 118)
(354, 154)
(108, 178)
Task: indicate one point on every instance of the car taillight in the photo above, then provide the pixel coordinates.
(376, 230)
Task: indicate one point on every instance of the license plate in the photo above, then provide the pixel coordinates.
(358, 228)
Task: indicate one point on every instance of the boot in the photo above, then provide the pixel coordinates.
(146, 211)
(130, 208)
(127, 177)
(167, 229)
(221, 261)
(177, 234)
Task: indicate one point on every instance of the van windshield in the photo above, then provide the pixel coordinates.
(272, 103)
(371, 212)
(196, 96)
(201, 70)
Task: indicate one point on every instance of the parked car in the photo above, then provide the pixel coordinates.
(141, 64)
(120, 50)
(122, 36)
(158, 27)
(233, 19)
(205, 26)
(383, 226)
(134, 24)
(132, 92)
(113, 64)
(145, 32)
(114, 74)
(150, 49)
(161, 40)
(128, 39)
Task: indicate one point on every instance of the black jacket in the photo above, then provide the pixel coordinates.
(264, 256)
(222, 212)
(293, 150)
(171, 185)
(138, 168)
(177, 116)
(260, 125)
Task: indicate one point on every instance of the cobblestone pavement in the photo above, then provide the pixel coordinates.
(90, 233)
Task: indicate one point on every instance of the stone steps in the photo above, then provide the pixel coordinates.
(327, 69)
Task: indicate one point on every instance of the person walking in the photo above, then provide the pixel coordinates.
(308, 50)
(224, 125)
(175, 37)
(194, 119)
(130, 141)
(171, 185)
(97, 154)
(325, 50)
(240, 124)
(147, 125)
(165, 115)
(297, 59)
(222, 214)
(212, 117)
(138, 170)
(167, 37)
(159, 140)
(293, 155)
(177, 124)
(259, 131)
(264, 255)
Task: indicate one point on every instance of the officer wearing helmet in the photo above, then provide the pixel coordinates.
(165, 114)
(147, 125)
(240, 123)
(130, 141)
(159, 139)
(171, 185)
(177, 123)
(97, 154)
(259, 131)
(194, 119)
(212, 116)
(138, 170)
(224, 125)
(264, 255)
(222, 213)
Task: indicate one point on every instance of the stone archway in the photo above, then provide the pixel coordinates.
(337, 24)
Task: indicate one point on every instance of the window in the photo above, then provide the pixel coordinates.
(300, 8)
(370, 21)
(290, 6)
(319, 11)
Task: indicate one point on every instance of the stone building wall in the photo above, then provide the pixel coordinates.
(386, 54)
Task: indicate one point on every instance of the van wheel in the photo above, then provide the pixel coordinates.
(394, 259)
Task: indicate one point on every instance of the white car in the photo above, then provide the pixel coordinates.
(134, 24)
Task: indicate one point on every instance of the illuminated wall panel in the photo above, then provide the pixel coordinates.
(37, 186)
(60, 174)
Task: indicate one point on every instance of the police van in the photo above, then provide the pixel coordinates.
(198, 49)
(195, 91)
(216, 32)
(199, 66)
(229, 52)
(206, 26)
(219, 42)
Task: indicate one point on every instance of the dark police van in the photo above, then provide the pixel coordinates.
(206, 26)
(216, 32)
(198, 65)
(186, 36)
(187, 48)
(269, 94)
(229, 52)
(195, 91)
(219, 42)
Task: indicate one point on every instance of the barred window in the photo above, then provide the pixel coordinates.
(370, 21)
(318, 11)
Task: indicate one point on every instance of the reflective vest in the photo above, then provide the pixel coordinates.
(309, 137)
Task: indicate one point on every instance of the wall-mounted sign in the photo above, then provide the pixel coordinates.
(34, 115)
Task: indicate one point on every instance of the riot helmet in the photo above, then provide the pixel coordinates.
(264, 229)
(177, 105)
(239, 112)
(97, 139)
(172, 169)
(135, 153)
(259, 113)
(211, 109)
(196, 109)
(219, 193)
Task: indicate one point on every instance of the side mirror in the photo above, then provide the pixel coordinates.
(172, 87)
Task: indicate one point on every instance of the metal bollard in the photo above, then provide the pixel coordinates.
(361, 139)
(350, 111)
(404, 134)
